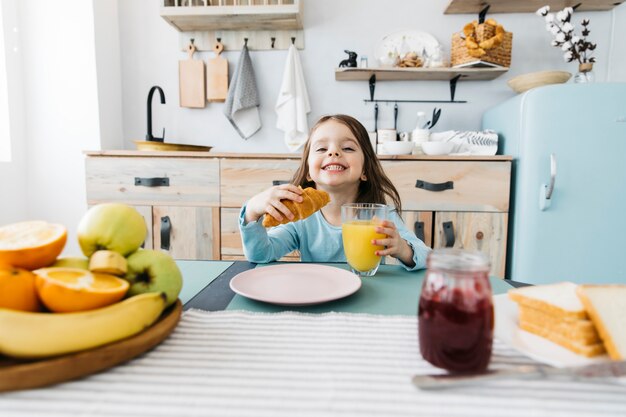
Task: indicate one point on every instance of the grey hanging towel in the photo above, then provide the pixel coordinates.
(242, 103)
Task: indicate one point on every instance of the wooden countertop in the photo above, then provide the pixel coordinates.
(132, 153)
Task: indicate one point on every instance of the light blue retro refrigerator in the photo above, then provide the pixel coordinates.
(568, 195)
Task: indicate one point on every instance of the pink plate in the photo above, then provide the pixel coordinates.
(295, 284)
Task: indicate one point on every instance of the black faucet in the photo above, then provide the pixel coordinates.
(149, 136)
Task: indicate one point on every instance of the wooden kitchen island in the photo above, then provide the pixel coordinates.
(191, 200)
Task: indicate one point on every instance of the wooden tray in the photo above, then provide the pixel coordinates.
(16, 375)
(162, 146)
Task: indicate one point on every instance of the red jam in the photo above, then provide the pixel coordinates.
(455, 318)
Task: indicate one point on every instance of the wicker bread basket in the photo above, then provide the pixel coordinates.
(499, 55)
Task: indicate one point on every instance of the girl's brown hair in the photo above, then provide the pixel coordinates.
(377, 186)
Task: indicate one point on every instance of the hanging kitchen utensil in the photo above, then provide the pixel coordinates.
(395, 120)
(191, 80)
(374, 138)
(436, 114)
(395, 117)
(217, 75)
(376, 120)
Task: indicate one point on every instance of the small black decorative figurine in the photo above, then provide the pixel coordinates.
(350, 62)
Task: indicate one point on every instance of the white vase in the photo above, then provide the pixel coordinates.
(585, 73)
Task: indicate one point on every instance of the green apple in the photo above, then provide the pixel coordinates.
(111, 226)
(153, 271)
(72, 262)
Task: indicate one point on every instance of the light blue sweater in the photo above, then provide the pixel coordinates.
(315, 238)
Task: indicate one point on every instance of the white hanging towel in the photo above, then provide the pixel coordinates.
(242, 104)
(293, 105)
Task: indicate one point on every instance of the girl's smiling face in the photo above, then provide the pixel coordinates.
(335, 156)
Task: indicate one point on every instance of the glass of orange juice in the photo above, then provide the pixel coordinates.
(358, 229)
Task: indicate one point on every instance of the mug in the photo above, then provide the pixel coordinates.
(386, 135)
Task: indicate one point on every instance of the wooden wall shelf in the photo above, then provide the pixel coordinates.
(426, 74)
(201, 17)
(518, 6)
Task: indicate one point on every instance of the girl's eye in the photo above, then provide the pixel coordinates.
(320, 150)
(348, 149)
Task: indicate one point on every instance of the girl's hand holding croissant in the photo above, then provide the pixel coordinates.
(394, 245)
(269, 202)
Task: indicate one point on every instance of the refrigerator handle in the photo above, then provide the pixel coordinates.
(545, 191)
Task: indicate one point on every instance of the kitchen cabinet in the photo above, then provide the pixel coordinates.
(231, 246)
(452, 201)
(193, 231)
(479, 231)
(460, 203)
(240, 179)
(178, 197)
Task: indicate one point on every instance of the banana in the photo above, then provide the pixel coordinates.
(38, 335)
(108, 262)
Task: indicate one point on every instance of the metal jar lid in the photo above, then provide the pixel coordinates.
(458, 260)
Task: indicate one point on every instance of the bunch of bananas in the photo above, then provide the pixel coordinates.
(36, 335)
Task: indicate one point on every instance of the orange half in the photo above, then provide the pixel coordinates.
(64, 290)
(31, 245)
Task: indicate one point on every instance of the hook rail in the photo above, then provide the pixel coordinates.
(267, 40)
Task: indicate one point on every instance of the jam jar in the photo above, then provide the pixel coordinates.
(455, 313)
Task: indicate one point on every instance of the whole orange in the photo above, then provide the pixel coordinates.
(17, 289)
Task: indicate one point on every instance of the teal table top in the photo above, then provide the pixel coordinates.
(197, 275)
(392, 291)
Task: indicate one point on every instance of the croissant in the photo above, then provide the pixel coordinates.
(312, 200)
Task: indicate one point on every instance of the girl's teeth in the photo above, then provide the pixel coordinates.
(334, 168)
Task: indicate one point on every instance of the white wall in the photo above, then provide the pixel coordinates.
(150, 54)
(13, 171)
(617, 56)
(109, 73)
(60, 107)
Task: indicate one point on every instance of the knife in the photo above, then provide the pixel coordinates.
(598, 372)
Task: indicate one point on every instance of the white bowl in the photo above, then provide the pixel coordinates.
(437, 148)
(398, 148)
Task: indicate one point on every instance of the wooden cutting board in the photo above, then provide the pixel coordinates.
(191, 81)
(17, 374)
(162, 146)
(217, 76)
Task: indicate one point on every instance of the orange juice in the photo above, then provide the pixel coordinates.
(357, 244)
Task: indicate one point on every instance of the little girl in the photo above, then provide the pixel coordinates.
(338, 158)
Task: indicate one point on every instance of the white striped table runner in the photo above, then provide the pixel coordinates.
(236, 363)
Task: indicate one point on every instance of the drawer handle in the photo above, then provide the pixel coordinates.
(430, 186)
(166, 228)
(279, 182)
(153, 182)
(448, 233)
(419, 230)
